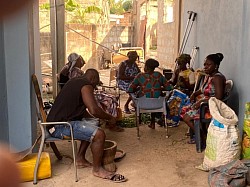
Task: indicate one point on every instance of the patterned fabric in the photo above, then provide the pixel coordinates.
(233, 174)
(175, 104)
(108, 102)
(189, 76)
(149, 84)
(129, 71)
(208, 90)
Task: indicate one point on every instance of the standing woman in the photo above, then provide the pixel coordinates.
(127, 71)
(213, 86)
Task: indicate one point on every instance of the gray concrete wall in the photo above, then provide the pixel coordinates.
(224, 26)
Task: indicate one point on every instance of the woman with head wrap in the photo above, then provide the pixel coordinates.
(150, 83)
(183, 80)
(72, 68)
(106, 101)
(213, 86)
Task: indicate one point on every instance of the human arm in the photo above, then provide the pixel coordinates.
(175, 76)
(219, 85)
(167, 85)
(90, 102)
(134, 84)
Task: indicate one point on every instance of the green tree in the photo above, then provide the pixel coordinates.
(127, 5)
(116, 7)
(79, 14)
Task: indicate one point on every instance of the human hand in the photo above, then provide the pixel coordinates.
(112, 121)
(192, 97)
(196, 105)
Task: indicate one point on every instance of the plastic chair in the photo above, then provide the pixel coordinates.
(150, 105)
(46, 137)
(112, 84)
(203, 123)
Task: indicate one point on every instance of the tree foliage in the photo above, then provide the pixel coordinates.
(127, 5)
(120, 6)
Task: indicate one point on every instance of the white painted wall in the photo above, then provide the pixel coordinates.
(224, 26)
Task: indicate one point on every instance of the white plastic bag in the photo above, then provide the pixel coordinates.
(223, 139)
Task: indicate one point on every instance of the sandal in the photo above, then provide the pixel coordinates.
(191, 141)
(202, 168)
(116, 178)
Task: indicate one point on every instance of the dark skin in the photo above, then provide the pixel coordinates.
(182, 66)
(211, 69)
(97, 145)
(132, 57)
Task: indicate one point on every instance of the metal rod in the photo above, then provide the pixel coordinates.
(194, 15)
(185, 31)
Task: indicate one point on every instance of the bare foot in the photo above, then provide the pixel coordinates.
(102, 173)
(83, 164)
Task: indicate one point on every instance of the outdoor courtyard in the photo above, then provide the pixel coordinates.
(153, 160)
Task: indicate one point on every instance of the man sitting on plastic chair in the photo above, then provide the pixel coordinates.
(150, 83)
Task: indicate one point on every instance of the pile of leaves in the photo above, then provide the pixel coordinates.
(130, 121)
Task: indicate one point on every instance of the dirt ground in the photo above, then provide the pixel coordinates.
(151, 161)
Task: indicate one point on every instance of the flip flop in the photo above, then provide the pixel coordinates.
(119, 155)
(117, 178)
(191, 141)
(202, 168)
(127, 111)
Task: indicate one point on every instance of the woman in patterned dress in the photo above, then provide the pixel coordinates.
(127, 71)
(151, 83)
(213, 86)
(183, 80)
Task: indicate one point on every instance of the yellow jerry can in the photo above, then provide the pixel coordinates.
(27, 166)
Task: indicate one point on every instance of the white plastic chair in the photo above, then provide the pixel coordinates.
(150, 105)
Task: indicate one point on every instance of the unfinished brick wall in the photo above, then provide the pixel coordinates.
(81, 42)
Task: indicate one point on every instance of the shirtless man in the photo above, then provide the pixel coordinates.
(76, 104)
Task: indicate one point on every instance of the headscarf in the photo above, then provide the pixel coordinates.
(184, 58)
(72, 58)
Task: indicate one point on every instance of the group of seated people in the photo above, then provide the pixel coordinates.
(79, 103)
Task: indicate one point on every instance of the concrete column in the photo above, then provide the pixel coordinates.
(17, 54)
(57, 23)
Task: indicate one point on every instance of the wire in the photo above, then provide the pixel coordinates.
(94, 41)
